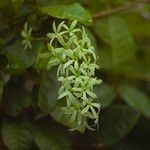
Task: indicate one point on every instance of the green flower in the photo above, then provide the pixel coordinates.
(27, 37)
(76, 72)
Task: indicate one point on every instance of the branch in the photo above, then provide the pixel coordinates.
(121, 8)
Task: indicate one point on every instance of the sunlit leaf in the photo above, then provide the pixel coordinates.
(73, 12)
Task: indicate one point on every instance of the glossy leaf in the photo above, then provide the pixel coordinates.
(73, 12)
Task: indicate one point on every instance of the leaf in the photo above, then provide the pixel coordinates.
(3, 80)
(52, 139)
(126, 146)
(17, 135)
(115, 123)
(105, 94)
(141, 30)
(47, 96)
(17, 4)
(17, 99)
(6, 5)
(141, 142)
(15, 105)
(6, 34)
(140, 69)
(72, 12)
(135, 98)
(113, 31)
(1, 88)
(1, 91)
(18, 57)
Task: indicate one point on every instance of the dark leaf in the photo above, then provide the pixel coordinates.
(52, 138)
(105, 94)
(47, 96)
(17, 135)
(115, 123)
(18, 57)
(135, 98)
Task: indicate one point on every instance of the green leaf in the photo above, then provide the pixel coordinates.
(141, 30)
(17, 4)
(127, 145)
(140, 69)
(115, 123)
(105, 94)
(135, 98)
(17, 135)
(18, 57)
(72, 12)
(47, 96)
(16, 104)
(17, 99)
(121, 52)
(1, 88)
(6, 5)
(52, 139)
(3, 80)
(6, 34)
(141, 142)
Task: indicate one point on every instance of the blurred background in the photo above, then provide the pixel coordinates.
(30, 117)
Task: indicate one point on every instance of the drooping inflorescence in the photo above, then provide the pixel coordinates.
(73, 52)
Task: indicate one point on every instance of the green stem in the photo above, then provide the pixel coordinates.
(39, 38)
(45, 55)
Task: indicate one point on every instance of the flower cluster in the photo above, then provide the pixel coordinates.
(73, 52)
(26, 34)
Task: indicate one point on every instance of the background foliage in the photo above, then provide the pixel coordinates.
(30, 117)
